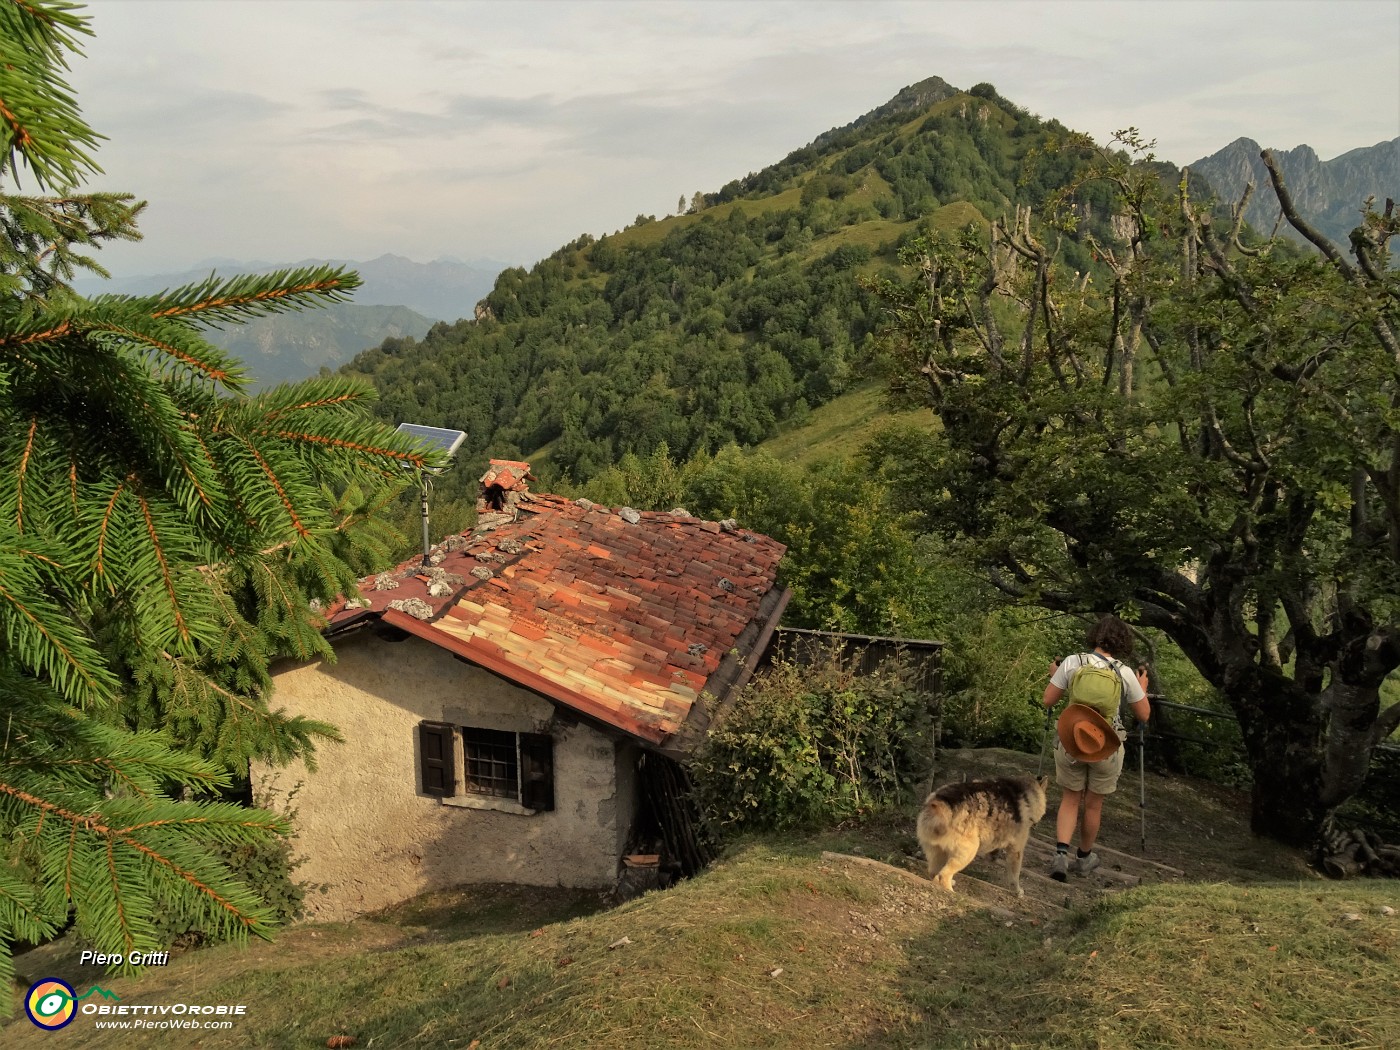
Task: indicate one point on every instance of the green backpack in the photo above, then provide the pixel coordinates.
(1098, 686)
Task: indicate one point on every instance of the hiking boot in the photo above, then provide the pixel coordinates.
(1084, 865)
(1059, 867)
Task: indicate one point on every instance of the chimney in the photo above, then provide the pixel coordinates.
(502, 488)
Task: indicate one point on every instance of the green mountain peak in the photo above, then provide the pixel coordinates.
(729, 321)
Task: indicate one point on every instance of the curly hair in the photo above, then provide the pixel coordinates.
(1111, 635)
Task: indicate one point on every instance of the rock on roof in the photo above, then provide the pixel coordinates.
(624, 616)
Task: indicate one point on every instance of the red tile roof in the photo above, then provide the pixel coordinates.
(624, 619)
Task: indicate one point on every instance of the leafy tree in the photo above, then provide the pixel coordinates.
(1203, 437)
(160, 535)
(654, 482)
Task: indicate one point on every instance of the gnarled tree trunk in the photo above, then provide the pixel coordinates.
(1283, 731)
(1309, 751)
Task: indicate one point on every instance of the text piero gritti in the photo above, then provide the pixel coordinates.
(135, 958)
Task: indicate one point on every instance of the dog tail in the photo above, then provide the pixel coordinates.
(936, 816)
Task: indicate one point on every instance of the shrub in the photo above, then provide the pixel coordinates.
(814, 744)
(266, 867)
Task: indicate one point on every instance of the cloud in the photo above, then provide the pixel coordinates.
(210, 115)
(348, 98)
(270, 129)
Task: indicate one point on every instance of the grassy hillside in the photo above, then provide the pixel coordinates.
(838, 428)
(730, 322)
(835, 430)
(779, 946)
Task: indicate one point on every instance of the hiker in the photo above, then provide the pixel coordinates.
(1089, 748)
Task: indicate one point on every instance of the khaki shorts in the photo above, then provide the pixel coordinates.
(1100, 777)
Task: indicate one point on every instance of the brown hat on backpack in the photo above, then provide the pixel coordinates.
(1085, 734)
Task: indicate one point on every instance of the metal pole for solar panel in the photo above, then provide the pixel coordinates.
(439, 438)
(427, 543)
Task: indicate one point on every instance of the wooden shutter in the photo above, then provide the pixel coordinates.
(436, 761)
(537, 771)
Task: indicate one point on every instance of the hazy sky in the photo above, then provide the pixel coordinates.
(286, 129)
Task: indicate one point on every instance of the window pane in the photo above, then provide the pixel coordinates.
(491, 763)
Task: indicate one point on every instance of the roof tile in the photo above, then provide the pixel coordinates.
(596, 612)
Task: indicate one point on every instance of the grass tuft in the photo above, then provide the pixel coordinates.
(1170, 966)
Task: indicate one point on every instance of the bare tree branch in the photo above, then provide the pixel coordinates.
(1237, 213)
(1285, 201)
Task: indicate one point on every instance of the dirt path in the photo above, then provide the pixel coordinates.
(1195, 830)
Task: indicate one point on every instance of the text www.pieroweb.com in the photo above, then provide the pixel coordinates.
(170, 1023)
(135, 1016)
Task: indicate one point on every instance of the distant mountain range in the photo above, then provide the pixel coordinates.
(398, 299)
(1328, 193)
(291, 346)
(442, 290)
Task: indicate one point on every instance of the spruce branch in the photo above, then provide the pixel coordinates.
(223, 300)
(43, 240)
(161, 535)
(36, 634)
(40, 125)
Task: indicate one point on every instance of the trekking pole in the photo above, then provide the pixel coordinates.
(1142, 780)
(1144, 669)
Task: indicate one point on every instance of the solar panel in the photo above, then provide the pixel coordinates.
(438, 437)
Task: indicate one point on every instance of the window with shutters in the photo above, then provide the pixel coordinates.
(493, 768)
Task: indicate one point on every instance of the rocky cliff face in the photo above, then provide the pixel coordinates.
(1329, 194)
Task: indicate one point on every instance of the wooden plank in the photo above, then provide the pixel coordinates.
(1045, 851)
(1039, 878)
(993, 866)
(918, 876)
(984, 887)
(1105, 851)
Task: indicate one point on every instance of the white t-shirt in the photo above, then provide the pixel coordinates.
(1132, 690)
